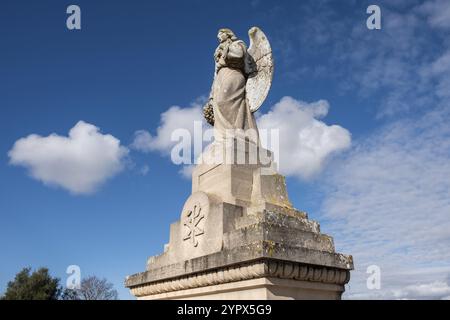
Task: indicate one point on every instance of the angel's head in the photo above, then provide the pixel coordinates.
(224, 34)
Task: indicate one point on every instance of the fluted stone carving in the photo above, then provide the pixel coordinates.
(276, 269)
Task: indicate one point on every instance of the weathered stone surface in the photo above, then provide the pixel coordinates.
(257, 235)
(240, 172)
(319, 279)
(217, 220)
(239, 237)
(241, 77)
(261, 74)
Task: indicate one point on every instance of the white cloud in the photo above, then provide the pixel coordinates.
(143, 141)
(79, 163)
(434, 290)
(172, 119)
(388, 204)
(186, 171)
(305, 142)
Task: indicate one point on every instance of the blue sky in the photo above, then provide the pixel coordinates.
(384, 197)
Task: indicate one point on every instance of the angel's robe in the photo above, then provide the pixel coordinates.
(231, 108)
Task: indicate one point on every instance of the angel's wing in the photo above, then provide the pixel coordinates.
(259, 68)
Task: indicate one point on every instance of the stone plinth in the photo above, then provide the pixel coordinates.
(239, 237)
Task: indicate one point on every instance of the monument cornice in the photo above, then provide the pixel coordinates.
(264, 268)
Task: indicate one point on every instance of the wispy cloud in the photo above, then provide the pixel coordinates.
(383, 67)
(437, 13)
(305, 141)
(388, 204)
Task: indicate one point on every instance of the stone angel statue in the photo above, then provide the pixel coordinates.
(242, 81)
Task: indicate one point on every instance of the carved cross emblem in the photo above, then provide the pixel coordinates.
(192, 222)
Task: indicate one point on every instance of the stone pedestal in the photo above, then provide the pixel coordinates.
(239, 237)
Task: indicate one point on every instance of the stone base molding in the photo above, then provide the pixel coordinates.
(258, 269)
(239, 237)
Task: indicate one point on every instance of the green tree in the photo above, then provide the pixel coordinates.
(39, 285)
